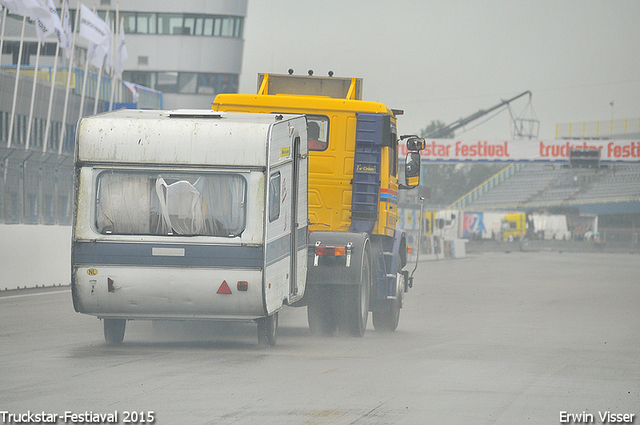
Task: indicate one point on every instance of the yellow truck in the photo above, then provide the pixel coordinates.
(518, 226)
(357, 253)
(514, 227)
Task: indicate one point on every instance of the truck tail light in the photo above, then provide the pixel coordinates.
(331, 251)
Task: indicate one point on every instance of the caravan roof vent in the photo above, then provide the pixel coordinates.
(195, 113)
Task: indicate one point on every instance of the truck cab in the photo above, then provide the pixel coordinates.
(350, 140)
(515, 226)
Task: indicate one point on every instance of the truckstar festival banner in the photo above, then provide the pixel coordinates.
(451, 150)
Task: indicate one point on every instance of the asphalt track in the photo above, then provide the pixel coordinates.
(494, 338)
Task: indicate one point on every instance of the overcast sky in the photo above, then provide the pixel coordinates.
(443, 60)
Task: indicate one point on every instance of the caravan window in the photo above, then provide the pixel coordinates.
(152, 203)
(274, 196)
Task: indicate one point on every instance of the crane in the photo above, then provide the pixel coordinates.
(443, 132)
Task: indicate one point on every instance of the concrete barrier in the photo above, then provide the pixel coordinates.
(435, 248)
(34, 256)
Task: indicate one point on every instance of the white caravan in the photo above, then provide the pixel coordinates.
(189, 215)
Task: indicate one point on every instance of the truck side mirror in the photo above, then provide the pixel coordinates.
(415, 143)
(412, 169)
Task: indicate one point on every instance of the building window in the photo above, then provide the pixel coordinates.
(198, 26)
(167, 82)
(146, 23)
(182, 24)
(189, 25)
(184, 82)
(187, 82)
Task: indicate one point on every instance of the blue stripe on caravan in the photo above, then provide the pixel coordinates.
(281, 247)
(303, 237)
(141, 254)
(278, 249)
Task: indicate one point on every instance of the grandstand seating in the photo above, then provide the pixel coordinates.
(546, 185)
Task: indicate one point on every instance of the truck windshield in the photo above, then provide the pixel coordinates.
(152, 203)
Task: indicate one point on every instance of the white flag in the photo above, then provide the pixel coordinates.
(46, 27)
(32, 9)
(92, 27)
(121, 52)
(9, 4)
(97, 53)
(66, 37)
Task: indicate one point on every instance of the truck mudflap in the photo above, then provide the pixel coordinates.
(335, 258)
(339, 282)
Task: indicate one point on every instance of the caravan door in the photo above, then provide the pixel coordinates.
(300, 235)
(286, 215)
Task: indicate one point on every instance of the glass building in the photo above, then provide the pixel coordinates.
(189, 50)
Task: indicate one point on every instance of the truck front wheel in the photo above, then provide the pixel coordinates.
(387, 317)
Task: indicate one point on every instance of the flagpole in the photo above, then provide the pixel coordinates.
(84, 81)
(114, 52)
(97, 96)
(4, 19)
(47, 127)
(119, 59)
(86, 73)
(15, 87)
(33, 96)
(62, 34)
(66, 96)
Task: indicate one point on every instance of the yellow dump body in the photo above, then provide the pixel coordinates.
(331, 170)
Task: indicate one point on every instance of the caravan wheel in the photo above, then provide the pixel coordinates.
(267, 330)
(114, 330)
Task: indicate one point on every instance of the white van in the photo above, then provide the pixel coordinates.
(189, 215)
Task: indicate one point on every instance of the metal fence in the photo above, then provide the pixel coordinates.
(35, 188)
(603, 128)
(620, 238)
(36, 178)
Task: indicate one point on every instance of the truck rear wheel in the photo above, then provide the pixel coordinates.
(267, 330)
(114, 330)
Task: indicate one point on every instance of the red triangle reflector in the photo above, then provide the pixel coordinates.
(224, 288)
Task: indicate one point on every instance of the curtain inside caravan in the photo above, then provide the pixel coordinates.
(139, 203)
